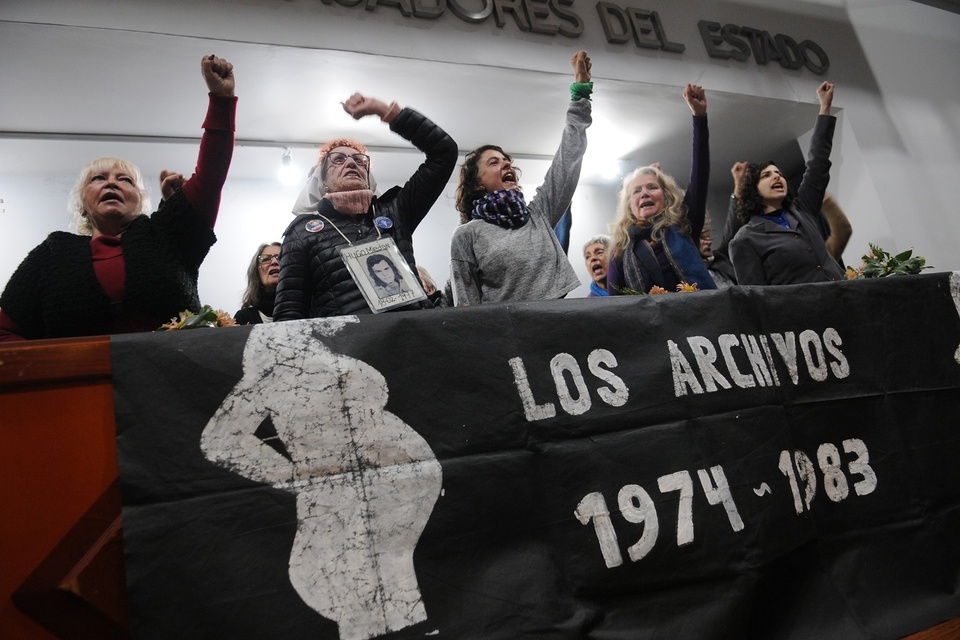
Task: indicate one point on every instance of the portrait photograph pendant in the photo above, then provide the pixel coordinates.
(382, 274)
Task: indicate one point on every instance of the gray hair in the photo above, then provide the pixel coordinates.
(255, 289)
(600, 239)
(78, 218)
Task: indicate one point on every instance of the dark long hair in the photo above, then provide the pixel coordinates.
(377, 258)
(469, 187)
(750, 203)
(255, 290)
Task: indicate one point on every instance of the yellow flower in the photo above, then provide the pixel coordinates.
(176, 322)
(224, 319)
(684, 287)
(208, 317)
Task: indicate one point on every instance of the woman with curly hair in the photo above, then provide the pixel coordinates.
(656, 236)
(504, 249)
(781, 242)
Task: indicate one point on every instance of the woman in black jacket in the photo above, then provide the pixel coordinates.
(781, 242)
(338, 209)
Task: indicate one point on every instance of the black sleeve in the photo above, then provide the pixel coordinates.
(816, 176)
(21, 300)
(293, 289)
(727, 224)
(247, 315)
(424, 187)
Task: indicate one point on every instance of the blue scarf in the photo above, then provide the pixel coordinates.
(505, 208)
(597, 291)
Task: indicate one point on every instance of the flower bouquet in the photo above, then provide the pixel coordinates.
(880, 264)
(206, 317)
(683, 287)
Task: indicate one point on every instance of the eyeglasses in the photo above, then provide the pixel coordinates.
(268, 258)
(337, 158)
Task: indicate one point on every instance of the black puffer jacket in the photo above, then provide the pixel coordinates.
(314, 281)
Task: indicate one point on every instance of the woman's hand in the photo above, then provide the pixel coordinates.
(696, 99)
(739, 172)
(218, 74)
(170, 181)
(359, 106)
(580, 62)
(825, 95)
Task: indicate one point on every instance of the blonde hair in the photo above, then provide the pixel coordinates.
(79, 221)
(672, 214)
(426, 279)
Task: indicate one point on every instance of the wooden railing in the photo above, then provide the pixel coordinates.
(62, 558)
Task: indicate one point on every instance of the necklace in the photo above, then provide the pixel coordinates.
(356, 224)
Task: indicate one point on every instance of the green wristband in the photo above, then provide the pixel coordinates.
(579, 90)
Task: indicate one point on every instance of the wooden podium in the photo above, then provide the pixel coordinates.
(62, 570)
(61, 574)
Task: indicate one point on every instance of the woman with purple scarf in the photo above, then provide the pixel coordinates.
(505, 249)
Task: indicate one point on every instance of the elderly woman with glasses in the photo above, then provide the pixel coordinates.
(263, 273)
(338, 209)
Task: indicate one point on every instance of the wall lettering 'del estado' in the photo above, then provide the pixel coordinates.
(621, 24)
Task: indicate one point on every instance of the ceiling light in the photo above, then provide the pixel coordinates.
(289, 174)
(601, 166)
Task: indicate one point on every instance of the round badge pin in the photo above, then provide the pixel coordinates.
(314, 225)
(383, 222)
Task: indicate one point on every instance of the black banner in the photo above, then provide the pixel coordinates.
(775, 462)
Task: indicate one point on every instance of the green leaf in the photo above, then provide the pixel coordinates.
(900, 257)
(880, 264)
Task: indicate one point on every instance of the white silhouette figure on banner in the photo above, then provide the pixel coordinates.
(365, 481)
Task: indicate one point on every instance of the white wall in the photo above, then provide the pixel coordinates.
(897, 153)
(909, 131)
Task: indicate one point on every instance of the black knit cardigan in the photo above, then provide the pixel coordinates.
(54, 293)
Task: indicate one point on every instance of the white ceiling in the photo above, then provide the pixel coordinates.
(74, 93)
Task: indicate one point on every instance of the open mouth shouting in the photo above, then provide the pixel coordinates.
(509, 179)
(647, 207)
(271, 277)
(113, 201)
(772, 186)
